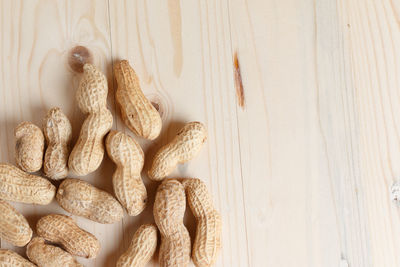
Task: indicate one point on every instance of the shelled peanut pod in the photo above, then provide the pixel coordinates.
(169, 209)
(88, 152)
(19, 186)
(207, 242)
(141, 249)
(45, 255)
(83, 199)
(58, 132)
(184, 147)
(63, 230)
(9, 258)
(14, 228)
(29, 146)
(127, 181)
(137, 112)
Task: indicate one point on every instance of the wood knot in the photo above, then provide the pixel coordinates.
(78, 56)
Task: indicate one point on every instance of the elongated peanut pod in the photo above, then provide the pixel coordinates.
(58, 132)
(9, 258)
(169, 209)
(45, 255)
(137, 112)
(142, 248)
(129, 158)
(63, 230)
(19, 186)
(184, 147)
(207, 242)
(82, 199)
(29, 147)
(88, 152)
(14, 228)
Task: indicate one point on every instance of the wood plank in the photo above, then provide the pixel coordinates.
(323, 81)
(35, 40)
(182, 53)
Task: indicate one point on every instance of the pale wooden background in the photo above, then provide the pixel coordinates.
(301, 173)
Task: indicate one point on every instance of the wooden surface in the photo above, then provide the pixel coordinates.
(300, 164)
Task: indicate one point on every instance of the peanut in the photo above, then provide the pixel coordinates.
(142, 248)
(207, 242)
(58, 132)
(184, 147)
(137, 112)
(88, 152)
(14, 228)
(83, 199)
(45, 255)
(29, 146)
(63, 230)
(169, 209)
(9, 258)
(127, 182)
(19, 186)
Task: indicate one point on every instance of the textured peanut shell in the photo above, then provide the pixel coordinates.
(137, 112)
(184, 147)
(127, 182)
(45, 255)
(58, 132)
(9, 258)
(169, 209)
(14, 228)
(17, 185)
(63, 230)
(29, 146)
(142, 248)
(82, 199)
(88, 152)
(207, 242)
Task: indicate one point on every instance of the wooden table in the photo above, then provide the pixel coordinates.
(300, 159)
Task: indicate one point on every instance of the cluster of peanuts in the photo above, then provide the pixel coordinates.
(59, 238)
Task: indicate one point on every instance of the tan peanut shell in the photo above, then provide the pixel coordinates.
(207, 242)
(63, 230)
(82, 199)
(14, 228)
(19, 186)
(9, 258)
(184, 147)
(142, 248)
(29, 146)
(88, 152)
(58, 132)
(127, 182)
(45, 255)
(137, 112)
(169, 209)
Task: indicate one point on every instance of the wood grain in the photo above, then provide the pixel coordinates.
(300, 170)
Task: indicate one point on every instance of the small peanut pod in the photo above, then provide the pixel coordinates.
(82, 199)
(9, 258)
(14, 228)
(63, 230)
(184, 147)
(29, 147)
(58, 132)
(19, 186)
(137, 112)
(169, 209)
(207, 242)
(88, 152)
(45, 255)
(142, 248)
(129, 158)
